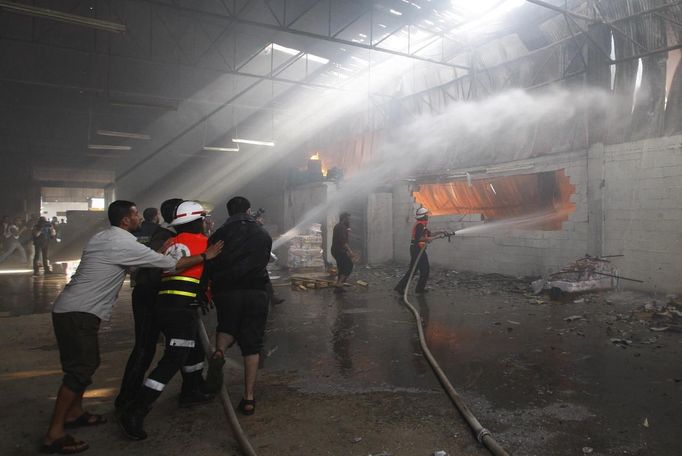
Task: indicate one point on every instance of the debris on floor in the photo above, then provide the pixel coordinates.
(585, 274)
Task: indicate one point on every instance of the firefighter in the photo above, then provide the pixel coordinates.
(420, 237)
(176, 314)
(146, 285)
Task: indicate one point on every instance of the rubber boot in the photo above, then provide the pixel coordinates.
(193, 391)
(131, 421)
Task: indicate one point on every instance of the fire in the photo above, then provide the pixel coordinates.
(316, 156)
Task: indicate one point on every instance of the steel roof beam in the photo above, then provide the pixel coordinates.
(558, 9)
(286, 29)
(59, 16)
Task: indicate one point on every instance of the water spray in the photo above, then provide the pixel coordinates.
(483, 435)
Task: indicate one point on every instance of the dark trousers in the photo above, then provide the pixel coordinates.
(423, 268)
(146, 336)
(183, 352)
(40, 251)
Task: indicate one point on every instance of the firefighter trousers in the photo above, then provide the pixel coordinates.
(146, 337)
(423, 268)
(178, 322)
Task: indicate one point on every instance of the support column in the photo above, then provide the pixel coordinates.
(595, 199)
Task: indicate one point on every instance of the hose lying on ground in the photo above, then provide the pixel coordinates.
(237, 430)
(482, 434)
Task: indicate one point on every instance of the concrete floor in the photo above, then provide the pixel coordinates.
(343, 375)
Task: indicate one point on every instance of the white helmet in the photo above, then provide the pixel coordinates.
(188, 211)
(421, 212)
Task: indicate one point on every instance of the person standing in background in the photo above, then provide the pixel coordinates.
(341, 251)
(43, 232)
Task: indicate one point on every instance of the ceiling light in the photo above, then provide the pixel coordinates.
(221, 149)
(107, 147)
(123, 134)
(60, 16)
(397, 13)
(254, 142)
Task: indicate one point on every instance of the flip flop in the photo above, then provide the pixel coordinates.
(245, 403)
(64, 445)
(85, 420)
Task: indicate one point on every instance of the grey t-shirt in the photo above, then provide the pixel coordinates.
(98, 279)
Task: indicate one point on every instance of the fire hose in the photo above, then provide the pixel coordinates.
(231, 416)
(482, 434)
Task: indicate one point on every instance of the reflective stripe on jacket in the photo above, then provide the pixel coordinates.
(184, 283)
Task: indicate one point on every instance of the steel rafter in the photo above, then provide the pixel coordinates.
(284, 27)
(349, 43)
(153, 62)
(196, 124)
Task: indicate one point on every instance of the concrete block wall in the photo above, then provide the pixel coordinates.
(642, 196)
(507, 250)
(379, 228)
(628, 202)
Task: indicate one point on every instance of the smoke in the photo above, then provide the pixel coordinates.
(457, 135)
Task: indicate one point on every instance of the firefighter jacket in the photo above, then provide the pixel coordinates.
(184, 283)
(420, 232)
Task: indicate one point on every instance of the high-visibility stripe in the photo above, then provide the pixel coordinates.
(182, 343)
(178, 293)
(190, 213)
(181, 278)
(153, 384)
(194, 368)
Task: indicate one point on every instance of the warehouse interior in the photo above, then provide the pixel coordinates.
(543, 136)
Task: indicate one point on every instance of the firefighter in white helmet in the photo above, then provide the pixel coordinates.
(420, 237)
(176, 314)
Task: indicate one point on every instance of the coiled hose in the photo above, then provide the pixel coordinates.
(237, 430)
(482, 434)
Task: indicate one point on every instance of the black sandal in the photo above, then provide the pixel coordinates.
(247, 403)
(64, 445)
(85, 420)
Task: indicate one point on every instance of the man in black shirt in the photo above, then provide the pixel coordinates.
(341, 251)
(239, 282)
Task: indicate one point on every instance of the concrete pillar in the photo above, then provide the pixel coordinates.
(379, 228)
(595, 199)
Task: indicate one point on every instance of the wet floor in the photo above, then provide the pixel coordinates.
(543, 381)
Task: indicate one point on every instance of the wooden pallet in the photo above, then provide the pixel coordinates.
(309, 282)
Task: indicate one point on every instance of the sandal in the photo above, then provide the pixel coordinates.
(64, 445)
(247, 403)
(85, 420)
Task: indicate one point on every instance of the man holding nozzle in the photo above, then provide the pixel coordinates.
(420, 237)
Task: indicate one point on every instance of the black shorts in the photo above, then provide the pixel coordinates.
(344, 264)
(243, 315)
(76, 334)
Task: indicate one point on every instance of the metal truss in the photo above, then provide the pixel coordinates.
(280, 19)
(645, 52)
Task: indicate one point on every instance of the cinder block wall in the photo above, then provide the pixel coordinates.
(628, 201)
(642, 196)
